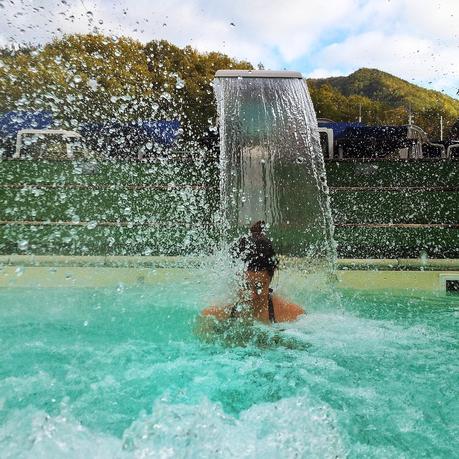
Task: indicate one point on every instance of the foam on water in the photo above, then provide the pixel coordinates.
(182, 430)
(104, 373)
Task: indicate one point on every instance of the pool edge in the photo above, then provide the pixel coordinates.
(24, 271)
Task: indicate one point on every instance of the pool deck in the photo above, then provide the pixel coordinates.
(24, 271)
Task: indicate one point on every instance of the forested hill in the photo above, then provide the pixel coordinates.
(94, 78)
(384, 98)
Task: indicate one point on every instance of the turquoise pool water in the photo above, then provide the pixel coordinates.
(119, 373)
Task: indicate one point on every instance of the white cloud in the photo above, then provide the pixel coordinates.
(415, 39)
(436, 19)
(324, 73)
(261, 29)
(292, 27)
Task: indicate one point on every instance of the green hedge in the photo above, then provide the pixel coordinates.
(170, 207)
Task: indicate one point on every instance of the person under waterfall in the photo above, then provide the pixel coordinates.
(256, 299)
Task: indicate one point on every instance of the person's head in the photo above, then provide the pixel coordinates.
(261, 257)
(258, 228)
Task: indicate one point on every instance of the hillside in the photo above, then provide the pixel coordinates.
(384, 99)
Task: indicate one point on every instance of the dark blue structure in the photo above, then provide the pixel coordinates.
(374, 141)
(357, 140)
(340, 128)
(12, 122)
(112, 137)
(163, 132)
(126, 139)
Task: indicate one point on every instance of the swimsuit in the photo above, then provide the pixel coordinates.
(272, 319)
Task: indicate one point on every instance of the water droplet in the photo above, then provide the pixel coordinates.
(85, 323)
(91, 225)
(23, 244)
(77, 79)
(424, 257)
(180, 83)
(75, 219)
(92, 83)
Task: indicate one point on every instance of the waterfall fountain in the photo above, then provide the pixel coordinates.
(272, 166)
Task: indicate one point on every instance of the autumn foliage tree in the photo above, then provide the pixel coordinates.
(94, 78)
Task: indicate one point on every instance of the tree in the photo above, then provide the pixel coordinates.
(95, 79)
(186, 76)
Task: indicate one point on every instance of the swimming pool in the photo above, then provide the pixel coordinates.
(118, 372)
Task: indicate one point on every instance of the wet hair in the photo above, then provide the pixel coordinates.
(256, 250)
(258, 227)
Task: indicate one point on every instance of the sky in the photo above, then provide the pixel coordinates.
(417, 40)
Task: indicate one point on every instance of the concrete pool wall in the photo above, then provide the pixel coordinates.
(21, 271)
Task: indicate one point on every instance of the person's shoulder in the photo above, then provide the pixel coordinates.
(295, 309)
(286, 311)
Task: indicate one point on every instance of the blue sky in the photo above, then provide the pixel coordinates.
(414, 39)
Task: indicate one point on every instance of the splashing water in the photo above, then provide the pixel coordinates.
(272, 166)
(111, 373)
